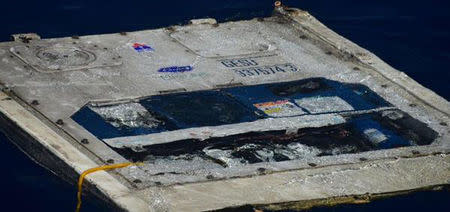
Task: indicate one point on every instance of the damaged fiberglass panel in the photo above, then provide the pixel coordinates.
(360, 133)
(369, 123)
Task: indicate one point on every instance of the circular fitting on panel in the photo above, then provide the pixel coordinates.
(277, 4)
(60, 58)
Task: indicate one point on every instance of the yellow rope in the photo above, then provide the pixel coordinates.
(100, 168)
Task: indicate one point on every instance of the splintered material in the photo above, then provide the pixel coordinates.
(252, 124)
(129, 115)
(275, 122)
(360, 133)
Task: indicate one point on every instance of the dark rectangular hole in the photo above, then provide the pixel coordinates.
(384, 130)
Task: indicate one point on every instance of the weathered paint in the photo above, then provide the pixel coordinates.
(291, 45)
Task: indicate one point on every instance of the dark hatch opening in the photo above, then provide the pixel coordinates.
(196, 109)
(361, 133)
(367, 131)
(225, 106)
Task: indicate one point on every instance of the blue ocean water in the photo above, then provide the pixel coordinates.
(413, 36)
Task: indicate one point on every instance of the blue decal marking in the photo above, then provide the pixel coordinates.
(176, 69)
(139, 47)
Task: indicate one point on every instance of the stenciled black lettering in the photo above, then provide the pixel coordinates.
(240, 72)
(279, 69)
(229, 64)
(292, 67)
(246, 62)
(239, 63)
(266, 70)
(249, 72)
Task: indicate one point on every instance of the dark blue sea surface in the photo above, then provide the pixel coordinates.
(412, 36)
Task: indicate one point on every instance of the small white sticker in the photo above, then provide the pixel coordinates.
(375, 135)
(324, 104)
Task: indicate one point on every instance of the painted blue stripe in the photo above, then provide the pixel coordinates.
(175, 69)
